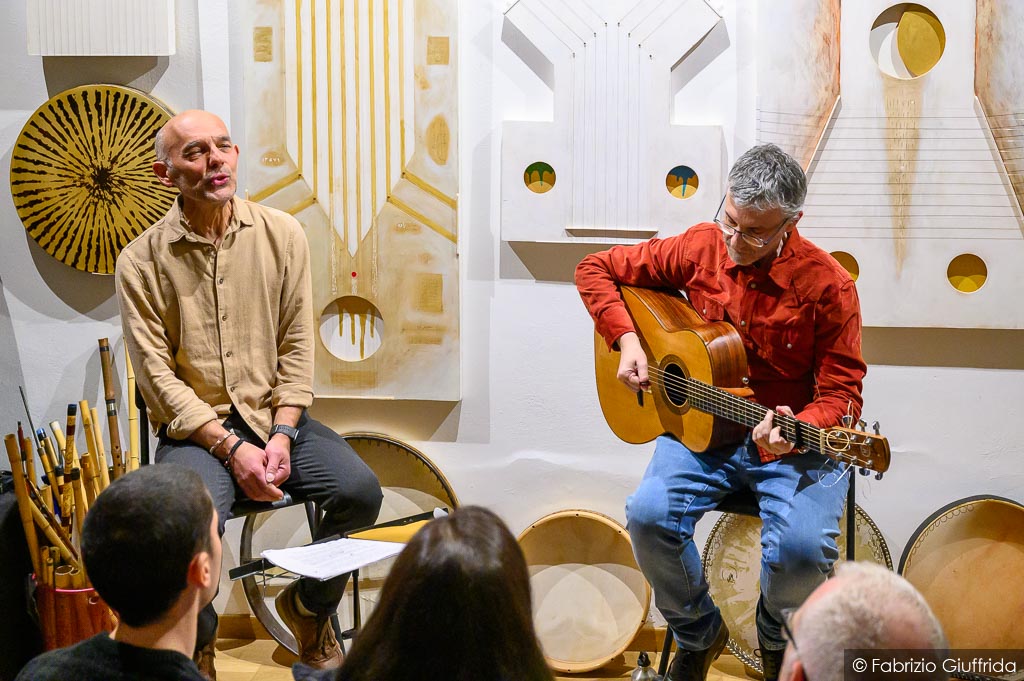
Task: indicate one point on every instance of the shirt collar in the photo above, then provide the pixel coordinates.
(781, 269)
(241, 216)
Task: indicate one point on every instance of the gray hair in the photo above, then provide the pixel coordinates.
(866, 611)
(160, 147)
(766, 177)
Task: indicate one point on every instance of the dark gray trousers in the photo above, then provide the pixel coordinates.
(325, 469)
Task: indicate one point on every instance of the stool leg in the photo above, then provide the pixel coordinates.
(665, 652)
(851, 518)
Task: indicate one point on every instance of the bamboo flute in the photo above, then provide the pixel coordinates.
(51, 479)
(89, 471)
(25, 504)
(27, 457)
(106, 364)
(46, 496)
(133, 415)
(72, 464)
(58, 436)
(53, 468)
(54, 534)
(101, 453)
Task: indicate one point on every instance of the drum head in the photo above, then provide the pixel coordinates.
(732, 566)
(967, 559)
(589, 597)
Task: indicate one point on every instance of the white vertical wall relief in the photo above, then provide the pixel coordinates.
(797, 73)
(912, 185)
(100, 28)
(351, 126)
(610, 166)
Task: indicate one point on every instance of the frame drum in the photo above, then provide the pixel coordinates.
(589, 597)
(967, 559)
(732, 566)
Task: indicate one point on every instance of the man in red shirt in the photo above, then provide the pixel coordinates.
(798, 314)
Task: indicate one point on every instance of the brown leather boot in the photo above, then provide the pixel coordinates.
(318, 647)
(204, 658)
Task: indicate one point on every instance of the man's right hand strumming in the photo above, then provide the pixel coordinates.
(632, 363)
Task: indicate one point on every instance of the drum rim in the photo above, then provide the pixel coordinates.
(573, 667)
(911, 545)
(431, 466)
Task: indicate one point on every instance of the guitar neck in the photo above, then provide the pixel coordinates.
(718, 402)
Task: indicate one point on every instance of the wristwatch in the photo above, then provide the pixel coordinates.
(287, 431)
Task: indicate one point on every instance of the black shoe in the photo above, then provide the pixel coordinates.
(771, 663)
(689, 665)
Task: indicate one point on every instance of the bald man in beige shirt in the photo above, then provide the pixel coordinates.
(216, 306)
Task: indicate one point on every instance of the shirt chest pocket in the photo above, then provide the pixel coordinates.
(787, 345)
(711, 310)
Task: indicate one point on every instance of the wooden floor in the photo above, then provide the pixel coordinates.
(264, 660)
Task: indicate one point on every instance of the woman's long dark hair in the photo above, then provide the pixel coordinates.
(455, 607)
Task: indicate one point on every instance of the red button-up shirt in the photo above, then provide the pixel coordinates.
(799, 319)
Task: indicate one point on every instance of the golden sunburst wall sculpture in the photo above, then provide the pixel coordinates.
(82, 177)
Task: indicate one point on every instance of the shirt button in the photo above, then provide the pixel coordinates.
(743, 323)
(789, 346)
(223, 317)
(753, 285)
(232, 388)
(221, 280)
(227, 354)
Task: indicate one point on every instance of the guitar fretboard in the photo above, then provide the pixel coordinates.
(718, 402)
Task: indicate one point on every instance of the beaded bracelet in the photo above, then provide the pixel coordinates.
(231, 454)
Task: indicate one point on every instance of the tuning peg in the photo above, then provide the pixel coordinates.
(877, 428)
(864, 471)
(878, 476)
(847, 421)
(862, 424)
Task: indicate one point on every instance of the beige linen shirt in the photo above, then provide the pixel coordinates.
(208, 327)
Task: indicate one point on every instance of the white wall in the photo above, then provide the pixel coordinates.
(528, 438)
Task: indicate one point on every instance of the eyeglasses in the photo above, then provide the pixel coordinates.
(729, 230)
(787, 631)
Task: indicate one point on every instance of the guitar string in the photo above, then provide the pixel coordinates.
(838, 456)
(738, 406)
(701, 394)
(733, 404)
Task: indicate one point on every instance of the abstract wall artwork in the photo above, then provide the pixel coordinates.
(915, 183)
(610, 166)
(82, 174)
(351, 126)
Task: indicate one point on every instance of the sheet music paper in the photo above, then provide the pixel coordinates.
(332, 558)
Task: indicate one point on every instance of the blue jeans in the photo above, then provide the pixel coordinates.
(801, 501)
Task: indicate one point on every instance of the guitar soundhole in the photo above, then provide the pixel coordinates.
(675, 384)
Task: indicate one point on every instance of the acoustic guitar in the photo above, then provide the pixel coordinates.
(696, 372)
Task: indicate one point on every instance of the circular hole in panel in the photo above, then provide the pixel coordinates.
(682, 182)
(907, 40)
(351, 328)
(967, 273)
(848, 262)
(539, 177)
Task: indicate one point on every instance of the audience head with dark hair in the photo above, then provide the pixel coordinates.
(865, 606)
(141, 538)
(456, 606)
(152, 551)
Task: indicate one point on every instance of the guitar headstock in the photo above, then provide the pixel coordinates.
(868, 451)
